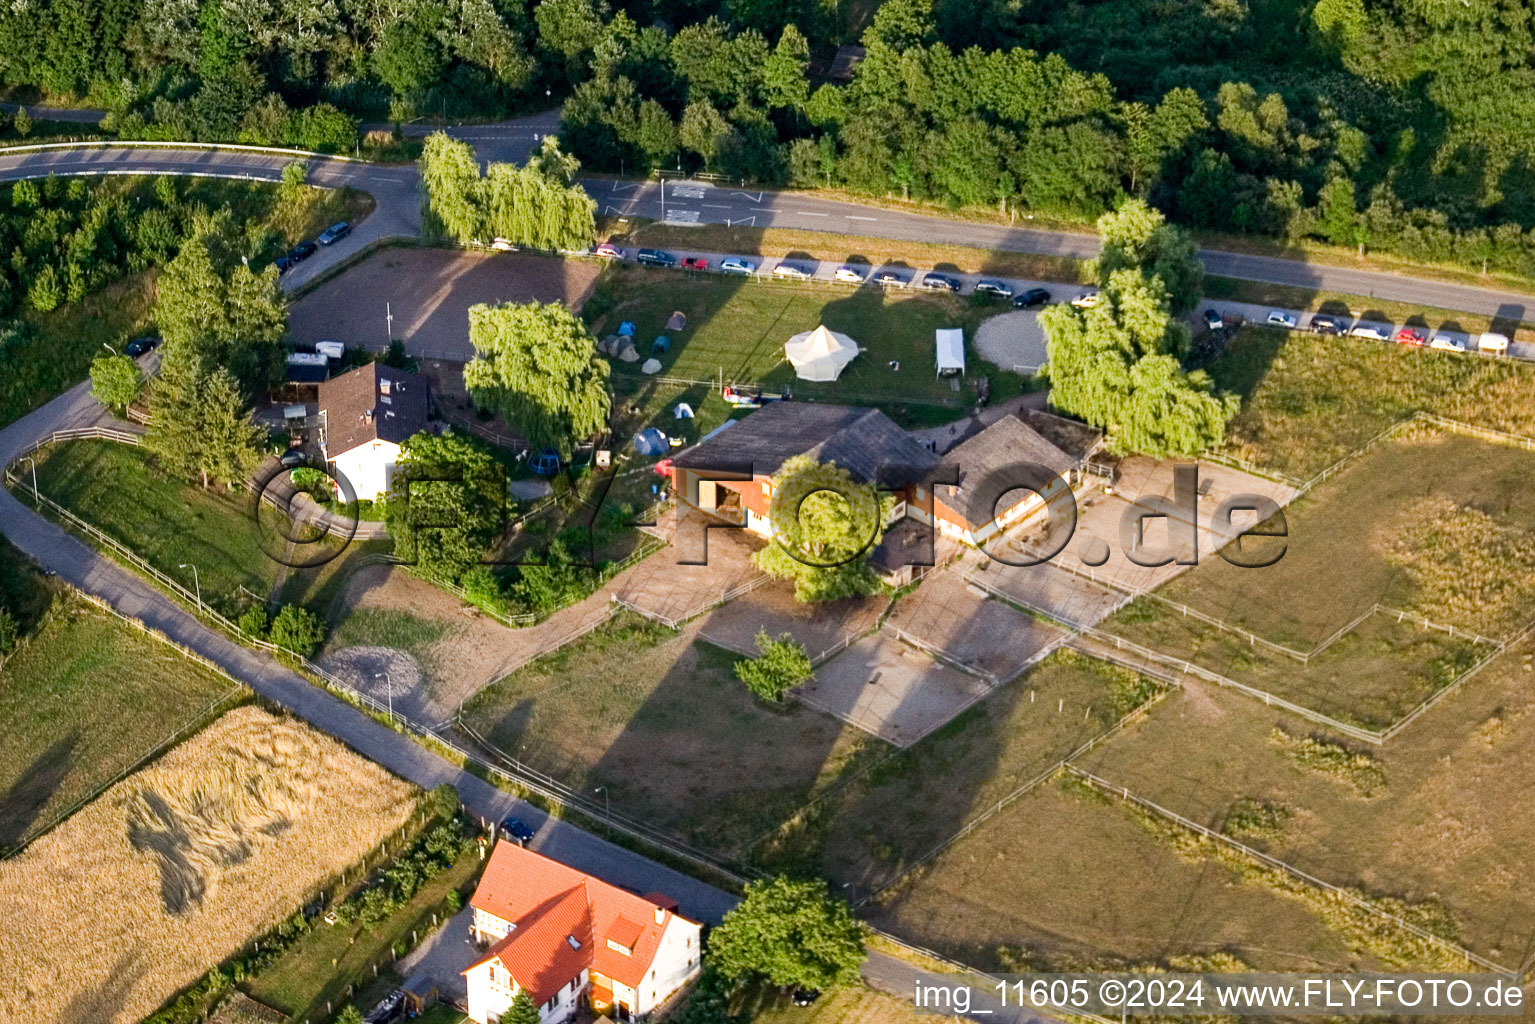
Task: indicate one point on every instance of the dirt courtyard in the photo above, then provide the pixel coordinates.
(429, 292)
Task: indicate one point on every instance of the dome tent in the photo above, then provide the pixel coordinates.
(820, 354)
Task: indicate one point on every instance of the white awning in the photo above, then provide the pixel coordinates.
(820, 354)
(951, 349)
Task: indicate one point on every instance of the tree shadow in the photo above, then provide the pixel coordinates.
(22, 805)
(106, 1001)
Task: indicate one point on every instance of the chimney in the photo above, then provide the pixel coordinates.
(660, 915)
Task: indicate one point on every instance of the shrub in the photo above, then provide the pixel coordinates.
(254, 622)
(779, 666)
(298, 630)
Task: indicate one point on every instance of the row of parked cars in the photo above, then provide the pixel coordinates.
(848, 273)
(1414, 337)
(301, 252)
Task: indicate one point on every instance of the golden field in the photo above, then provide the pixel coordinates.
(177, 866)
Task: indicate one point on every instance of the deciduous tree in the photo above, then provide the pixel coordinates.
(116, 381)
(789, 932)
(825, 528)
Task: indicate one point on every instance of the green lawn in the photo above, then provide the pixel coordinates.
(115, 488)
(85, 698)
(320, 966)
(664, 727)
(737, 328)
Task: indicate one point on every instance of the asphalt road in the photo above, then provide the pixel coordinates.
(688, 202)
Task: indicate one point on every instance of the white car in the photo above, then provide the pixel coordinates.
(849, 275)
(1279, 318)
(1087, 300)
(792, 272)
(736, 265)
(1447, 343)
(1369, 331)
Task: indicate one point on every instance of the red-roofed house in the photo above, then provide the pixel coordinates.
(571, 939)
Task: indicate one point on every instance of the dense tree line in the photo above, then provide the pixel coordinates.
(1403, 126)
(61, 238)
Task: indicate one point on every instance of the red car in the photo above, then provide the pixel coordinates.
(694, 263)
(1411, 336)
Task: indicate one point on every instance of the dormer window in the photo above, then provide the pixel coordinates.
(620, 948)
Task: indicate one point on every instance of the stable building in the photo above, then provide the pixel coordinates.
(729, 474)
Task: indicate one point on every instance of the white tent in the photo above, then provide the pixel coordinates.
(820, 354)
(951, 351)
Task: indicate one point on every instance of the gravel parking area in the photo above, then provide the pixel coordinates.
(1014, 341)
(429, 292)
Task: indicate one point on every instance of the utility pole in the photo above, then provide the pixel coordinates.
(389, 320)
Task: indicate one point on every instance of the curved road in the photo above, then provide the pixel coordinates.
(689, 202)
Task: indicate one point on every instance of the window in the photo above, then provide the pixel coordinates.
(921, 494)
(767, 487)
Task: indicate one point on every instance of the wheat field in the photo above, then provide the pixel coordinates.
(176, 867)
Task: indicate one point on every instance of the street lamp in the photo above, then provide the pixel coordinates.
(35, 499)
(607, 803)
(388, 691)
(195, 582)
(109, 348)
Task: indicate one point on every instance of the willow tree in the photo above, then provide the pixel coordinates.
(1118, 366)
(535, 205)
(537, 365)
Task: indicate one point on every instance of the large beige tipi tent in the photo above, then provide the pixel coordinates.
(820, 354)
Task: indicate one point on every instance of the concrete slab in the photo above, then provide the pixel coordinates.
(891, 690)
(962, 623)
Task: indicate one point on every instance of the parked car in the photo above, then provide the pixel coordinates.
(656, 258)
(891, 279)
(849, 275)
(1087, 300)
(792, 272)
(736, 265)
(1324, 324)
(1447, 343)
(503, 245)
(1411, 336)
(283, 264)
(936, 282)
(999, 289)
(694, 263)
(334, 233)
(1032, 297)
(1369, 331)
(293, 458)
(517, 829)
(138, 346)
(805, 996)
(1213, 320)
(301, 252)
(1493, 344)
(1279, 318)
(608, 251)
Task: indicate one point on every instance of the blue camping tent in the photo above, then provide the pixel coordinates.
(661, 344)
(626, 329)
(650, 441)
(545, 464)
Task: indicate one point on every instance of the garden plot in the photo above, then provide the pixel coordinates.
(177, 866)
(1446, 820)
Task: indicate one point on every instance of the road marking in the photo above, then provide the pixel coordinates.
(804, 213)
(854, 216)
(754, 198)
(621, 186)
(610, 208)
(717, 206)
(682, 216)
(687, 192)
(748, 221)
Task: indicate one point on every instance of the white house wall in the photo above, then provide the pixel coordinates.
(369, 468)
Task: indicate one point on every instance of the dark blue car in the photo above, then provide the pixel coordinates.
(517, 829)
